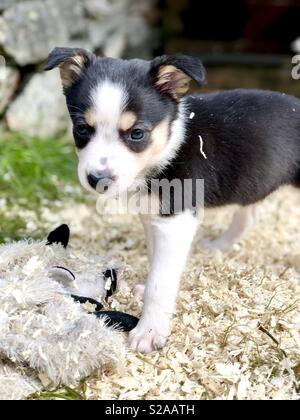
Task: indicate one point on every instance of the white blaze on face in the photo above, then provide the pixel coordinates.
(106, 151)
(109, 101)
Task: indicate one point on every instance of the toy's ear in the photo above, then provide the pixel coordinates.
(62, 275)
(71, 61)
(173, 73)
(61, 236)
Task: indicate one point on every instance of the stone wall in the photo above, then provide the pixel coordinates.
(30, 100)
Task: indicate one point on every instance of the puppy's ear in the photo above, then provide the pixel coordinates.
(173, 73)
(71, 61)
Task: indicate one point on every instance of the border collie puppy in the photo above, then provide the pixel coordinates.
(133, 123)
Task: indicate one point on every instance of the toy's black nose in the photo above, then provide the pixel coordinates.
(100, 181)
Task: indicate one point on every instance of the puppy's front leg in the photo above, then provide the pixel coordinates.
(172, 238)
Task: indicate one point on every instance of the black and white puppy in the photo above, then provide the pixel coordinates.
(133, 122)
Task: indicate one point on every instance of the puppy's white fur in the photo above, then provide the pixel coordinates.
(109, 101)
(170, 240)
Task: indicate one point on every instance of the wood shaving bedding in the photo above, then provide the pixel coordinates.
(236, 332)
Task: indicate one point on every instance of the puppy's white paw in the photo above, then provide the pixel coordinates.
(146, 338)
(147, 341)
(139, 291)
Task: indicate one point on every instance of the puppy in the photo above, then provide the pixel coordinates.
(133, 124)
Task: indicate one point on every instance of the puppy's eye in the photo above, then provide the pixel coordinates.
(137, 134)
(83, 130)
(82, 134)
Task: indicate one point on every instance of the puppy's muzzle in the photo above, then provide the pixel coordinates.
(100, 181)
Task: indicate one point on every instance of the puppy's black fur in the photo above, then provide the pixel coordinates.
(252, 142)
(244, 144)
(251, 138)
(150, 103)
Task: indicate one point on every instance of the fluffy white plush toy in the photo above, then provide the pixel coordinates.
(52, 329)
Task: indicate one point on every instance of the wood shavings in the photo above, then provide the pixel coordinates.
(219, 312)
(223, 301)
(42, 329)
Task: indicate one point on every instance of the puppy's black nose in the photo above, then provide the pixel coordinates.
(100, 181)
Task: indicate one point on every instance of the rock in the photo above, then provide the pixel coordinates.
(8, 86)
(4, 4)
(139, 41)
(107, 23)
(101, 9)
(40, 110)
(137, 31)
(29, 30)
(116, 25)
(100, 33)
(115, 44)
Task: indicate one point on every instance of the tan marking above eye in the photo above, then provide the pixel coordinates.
(127, 120)
(91, 117)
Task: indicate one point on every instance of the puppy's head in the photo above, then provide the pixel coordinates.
(122, 112)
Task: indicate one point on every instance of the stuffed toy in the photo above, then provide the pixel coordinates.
(53, 329)
(123, 321)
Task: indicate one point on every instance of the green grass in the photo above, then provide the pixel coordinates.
(33, 173)
(11, 229)
(32, 170)
(62, 393)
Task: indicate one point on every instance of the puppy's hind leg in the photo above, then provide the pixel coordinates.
(244, 219)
